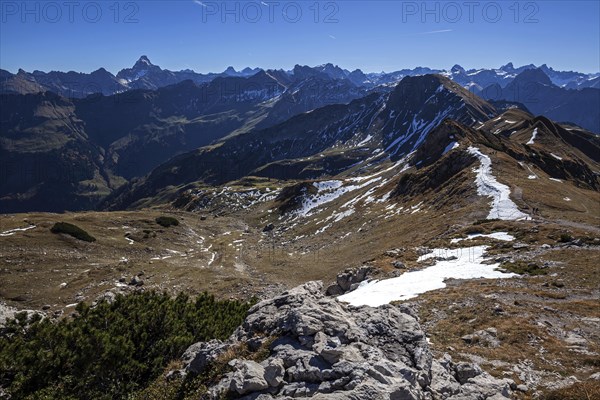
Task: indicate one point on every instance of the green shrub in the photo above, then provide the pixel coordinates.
(72, 230)
(111, 350)
(565, 238)
(167, 221)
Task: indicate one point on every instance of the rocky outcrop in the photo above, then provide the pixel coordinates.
(326, 349)
(349, 280)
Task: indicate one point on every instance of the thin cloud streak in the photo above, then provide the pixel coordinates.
(433, 32)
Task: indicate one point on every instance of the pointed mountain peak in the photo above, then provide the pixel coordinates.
(546, 68)
(457, 69)
(230, 71)
(143, 60)
(260, 74)
(508, 67)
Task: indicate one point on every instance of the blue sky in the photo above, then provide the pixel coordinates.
(208, 36)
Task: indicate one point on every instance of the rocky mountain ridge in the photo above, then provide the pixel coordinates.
(321, 348)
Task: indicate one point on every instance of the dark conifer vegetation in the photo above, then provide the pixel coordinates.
(110, 350)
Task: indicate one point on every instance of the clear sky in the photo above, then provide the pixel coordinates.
(208, 36)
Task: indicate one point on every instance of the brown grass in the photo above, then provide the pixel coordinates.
(589, 390)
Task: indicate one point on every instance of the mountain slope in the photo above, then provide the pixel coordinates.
(47, 160)
(136, 131)
(325, 141)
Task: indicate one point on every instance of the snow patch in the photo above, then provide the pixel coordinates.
(487, 185)
(365, 141)
(468, 264)
(451, 146)
(505, 236)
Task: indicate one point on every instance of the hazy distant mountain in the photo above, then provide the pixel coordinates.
(142, 75)
(145, 75)
(540, 95)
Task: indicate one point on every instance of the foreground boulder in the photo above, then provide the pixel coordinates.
(324, 349)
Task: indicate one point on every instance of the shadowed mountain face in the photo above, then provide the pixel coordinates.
(122, 136)
(535, 90)
(47, 160)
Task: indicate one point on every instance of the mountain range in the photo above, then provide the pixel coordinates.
(145, 75)
(162, 130)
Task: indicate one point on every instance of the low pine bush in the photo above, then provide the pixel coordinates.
(72, 230)
(167, 221)
(111, 350)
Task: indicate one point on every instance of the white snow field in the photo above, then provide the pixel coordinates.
(487, 185)
(505, 236)
(468, 264)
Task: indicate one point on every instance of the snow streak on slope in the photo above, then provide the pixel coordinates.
(463, 263)
(420, 126)
(487, 185)
(328, 191)
(531, 141)
(13, 231)
(451, 146)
